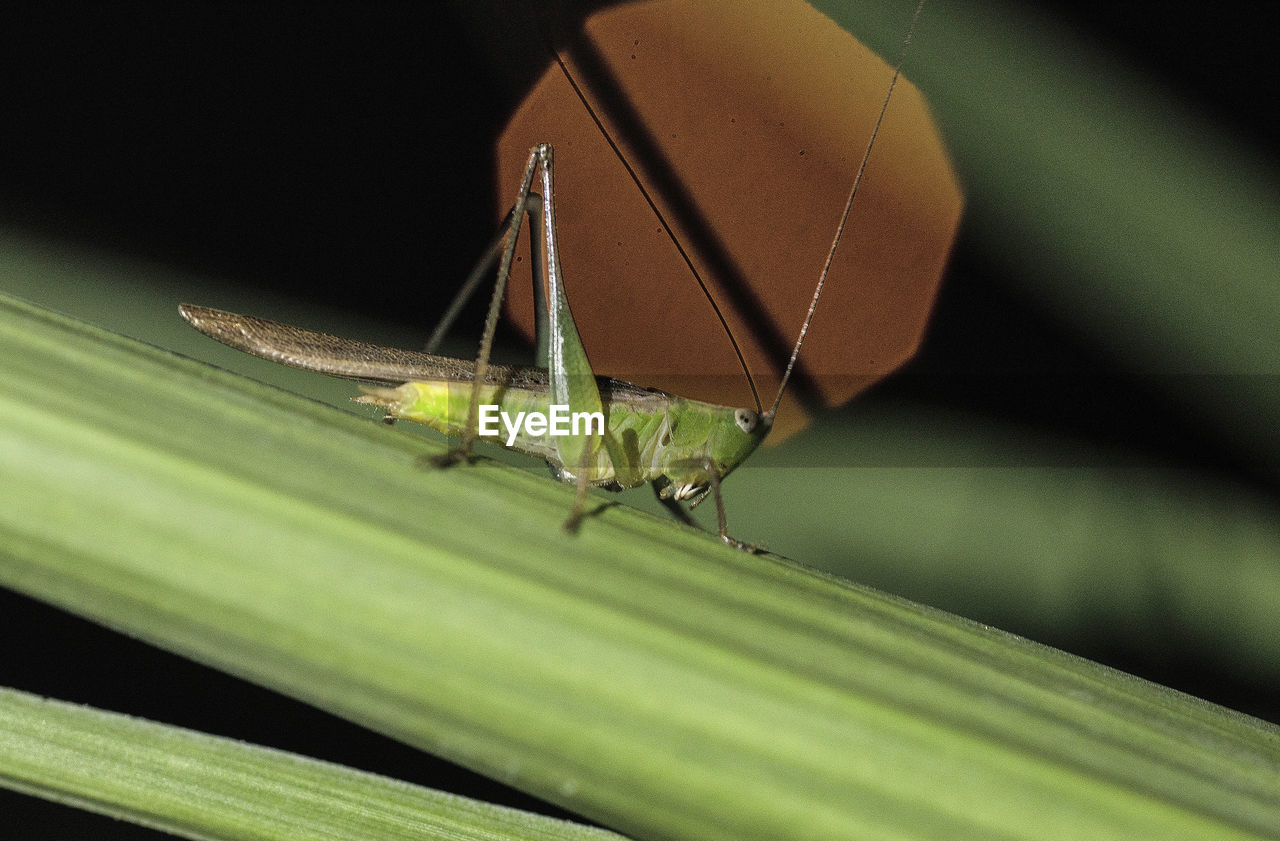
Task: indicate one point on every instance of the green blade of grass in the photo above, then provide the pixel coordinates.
(637, 673)
(200, 786)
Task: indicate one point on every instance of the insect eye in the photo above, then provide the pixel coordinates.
(746, 420)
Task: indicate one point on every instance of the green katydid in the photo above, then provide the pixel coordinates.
(684, 447)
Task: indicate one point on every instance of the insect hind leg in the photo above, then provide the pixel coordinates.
(508, 237)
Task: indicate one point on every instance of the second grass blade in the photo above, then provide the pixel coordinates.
(200, 786)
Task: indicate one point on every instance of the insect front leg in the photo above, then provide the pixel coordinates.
(669, 494)
(661, 491)
(713, 475)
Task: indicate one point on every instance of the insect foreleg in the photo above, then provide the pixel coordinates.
(713, 477)
(666, 493)
(671, 503)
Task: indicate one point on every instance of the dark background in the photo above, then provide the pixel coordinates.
(341, 152)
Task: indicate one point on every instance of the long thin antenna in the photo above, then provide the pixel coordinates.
(848, 207)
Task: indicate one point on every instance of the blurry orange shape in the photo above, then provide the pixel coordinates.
(746, 121)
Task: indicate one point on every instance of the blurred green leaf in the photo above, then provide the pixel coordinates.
(1116, 206)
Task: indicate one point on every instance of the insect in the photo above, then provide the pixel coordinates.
(593, 431)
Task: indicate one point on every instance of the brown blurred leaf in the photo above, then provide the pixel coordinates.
(746, 122)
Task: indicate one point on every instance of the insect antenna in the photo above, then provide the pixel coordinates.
(848, 208)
